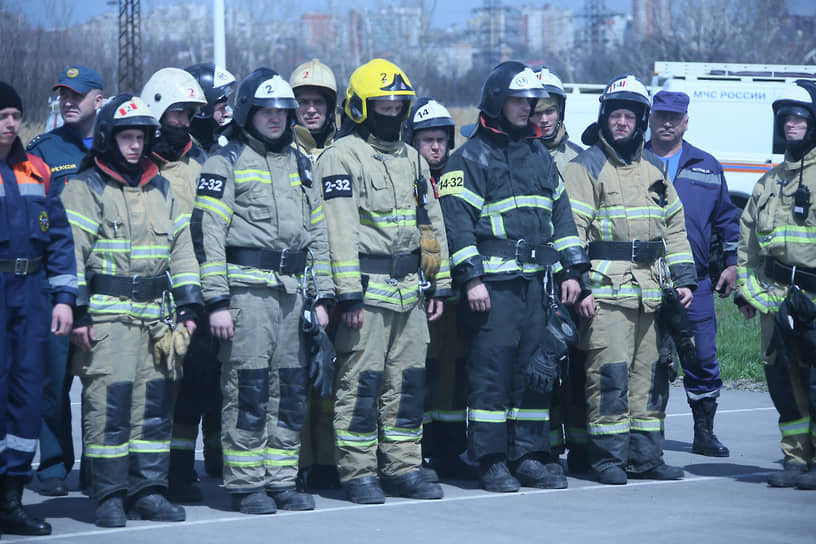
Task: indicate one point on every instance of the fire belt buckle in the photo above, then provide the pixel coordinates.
(635, 246)
(136, 288)
(282, 266)
(21, 266)
(521, 245)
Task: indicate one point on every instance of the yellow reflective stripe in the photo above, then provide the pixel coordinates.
(214, 205)
(80, 221)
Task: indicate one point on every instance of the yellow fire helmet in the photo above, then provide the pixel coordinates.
(377, 79)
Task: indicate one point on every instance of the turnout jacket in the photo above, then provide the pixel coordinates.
(307, 145)
(497, 187)
(248, 197)
(615, 200)
(121, 230)
(369, 189)
(183, 176)
(768, 229)
(561, 149)
(700, 182)
(33, 225)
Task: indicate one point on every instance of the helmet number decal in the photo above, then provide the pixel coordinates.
(336, 186)
(211, 185)
(451, 183)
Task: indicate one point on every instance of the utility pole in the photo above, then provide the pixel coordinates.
(130, 46)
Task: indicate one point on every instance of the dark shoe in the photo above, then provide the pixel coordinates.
(612, 476)
(322, 477)
(53, 487)
(255, 503)
(429, 474)
(214, 464)
(289, 499)
(788, 476)
(154, 506)
(181, 491)
(807, 480)
(705, 441)
(495, 476)
(412, 485)
(14, 519)
(110, 512)
(660, 472)
(531, 472)
(365, 490)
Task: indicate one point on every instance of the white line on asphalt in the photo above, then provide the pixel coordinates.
(114, 533)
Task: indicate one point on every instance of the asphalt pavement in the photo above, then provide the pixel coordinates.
(721, 500)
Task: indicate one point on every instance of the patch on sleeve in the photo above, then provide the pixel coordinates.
(452, 183)
(211, 185)
(336, 186)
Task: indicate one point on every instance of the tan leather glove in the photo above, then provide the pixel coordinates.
(431, 252)
(169, 351)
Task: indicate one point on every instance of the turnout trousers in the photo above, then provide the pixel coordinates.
(793, 392)
(504, 416)
(626, 390)
(444, 431)
(127, 409)
(379, 393)
(198, 400)
(264, 385)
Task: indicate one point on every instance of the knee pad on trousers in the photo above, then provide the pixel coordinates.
(410, 411)
(292, 403)
(117, 412)
(253, 398)
(364, 417)
(614, 389)
(659, 392)
(781, 390)
(157, 409)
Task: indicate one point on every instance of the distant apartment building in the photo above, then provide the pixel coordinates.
(548, 28)
(496, 29)
(650, 18)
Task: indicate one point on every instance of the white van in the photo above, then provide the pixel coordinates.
(730, 112)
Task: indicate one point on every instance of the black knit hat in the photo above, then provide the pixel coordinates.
(9, 97)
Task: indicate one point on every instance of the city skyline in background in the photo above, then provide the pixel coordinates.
(446, 14)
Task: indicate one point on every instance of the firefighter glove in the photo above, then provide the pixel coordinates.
(431, 252)
(543, 370)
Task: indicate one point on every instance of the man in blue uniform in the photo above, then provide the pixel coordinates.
(699, 180)
(34, 235)
(62, 149)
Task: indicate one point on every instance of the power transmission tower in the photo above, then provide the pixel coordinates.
(130, 46)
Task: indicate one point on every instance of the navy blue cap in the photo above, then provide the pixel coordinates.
(676, 102)
(80, 79)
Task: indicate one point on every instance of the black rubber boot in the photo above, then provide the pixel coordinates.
(788, 476)
(412, 485)
(14, 519)
(494, 475)
(110, 511)
(255, 503)
(290, 499)
(705, 441)
(612, 475)
(364, 490)
(151, 505)
(532, 472)
(660, 472)
(807, 480)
